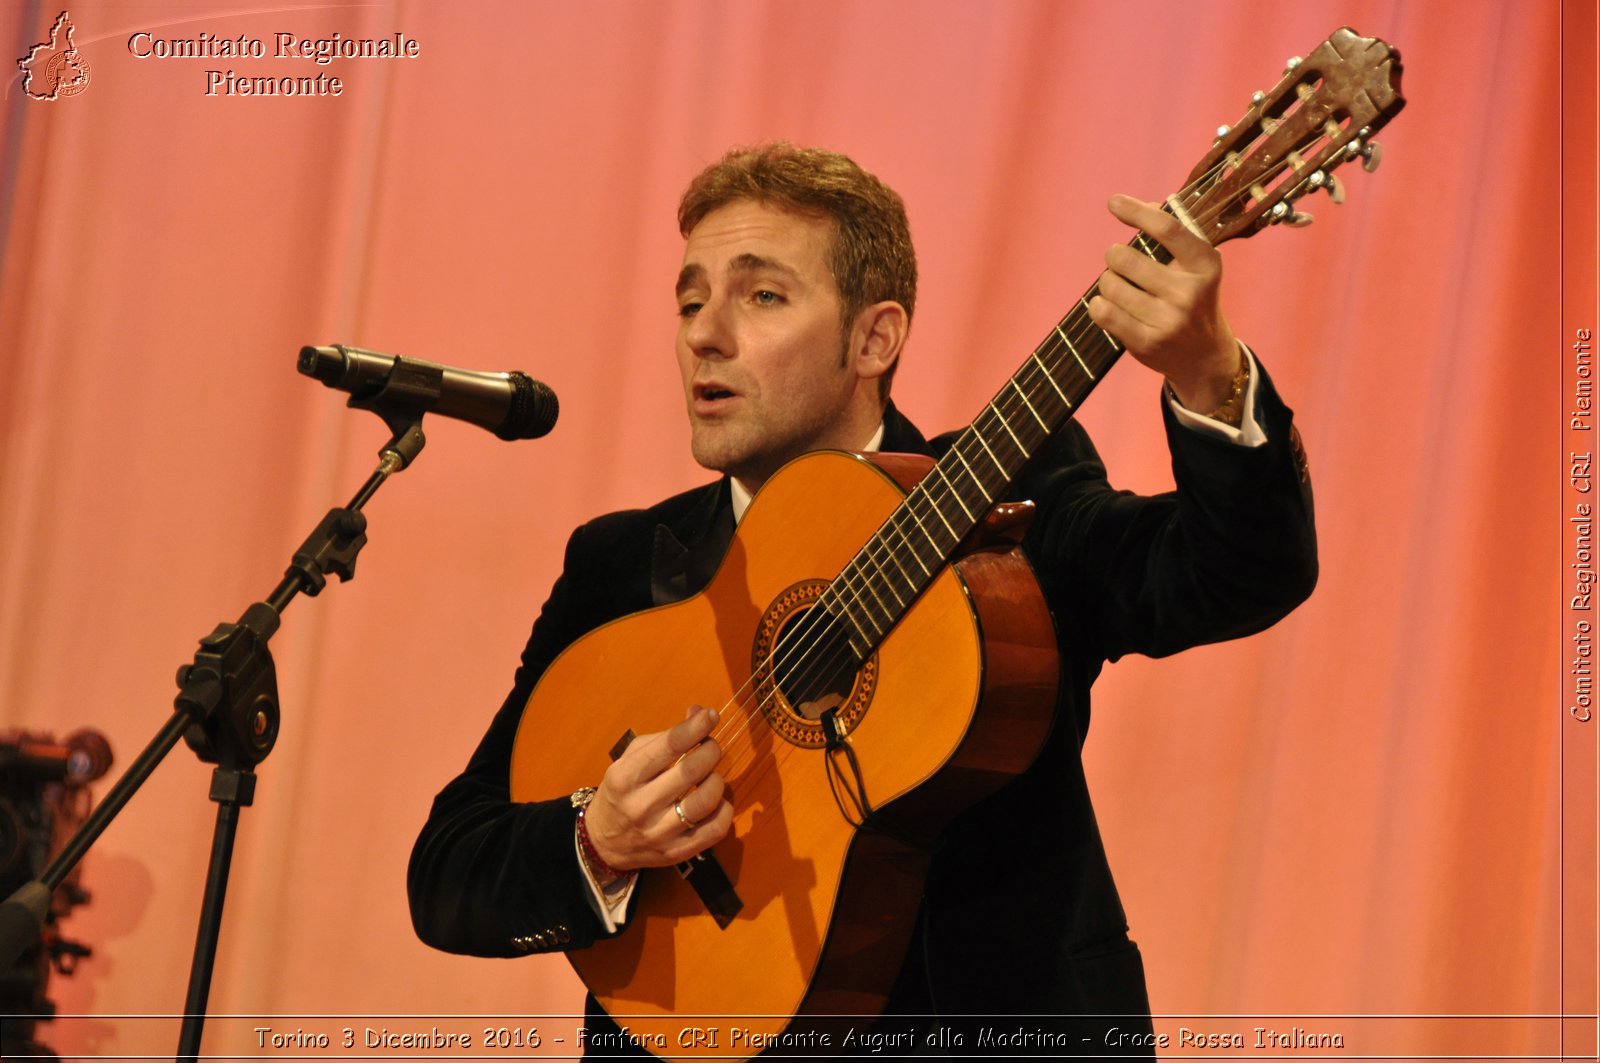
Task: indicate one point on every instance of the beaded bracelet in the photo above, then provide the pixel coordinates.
(591, 855)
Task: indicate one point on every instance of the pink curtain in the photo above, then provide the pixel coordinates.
(1355, 817)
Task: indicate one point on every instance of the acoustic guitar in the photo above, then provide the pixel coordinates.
(880, 653)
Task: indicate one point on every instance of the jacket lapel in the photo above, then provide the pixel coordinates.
(685, 553)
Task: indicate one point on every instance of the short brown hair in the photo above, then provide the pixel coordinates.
(871, 259)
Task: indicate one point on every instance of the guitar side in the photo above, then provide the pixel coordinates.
(960, 700)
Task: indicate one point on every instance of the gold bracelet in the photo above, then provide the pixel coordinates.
(1231, 412)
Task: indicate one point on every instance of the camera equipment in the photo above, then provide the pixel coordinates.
(44, 796)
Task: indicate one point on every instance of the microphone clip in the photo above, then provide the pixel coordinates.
(409, 391)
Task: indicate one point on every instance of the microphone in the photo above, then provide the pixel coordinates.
(511, 405)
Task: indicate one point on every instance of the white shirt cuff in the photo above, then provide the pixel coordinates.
(611, 905)
(1248, 433)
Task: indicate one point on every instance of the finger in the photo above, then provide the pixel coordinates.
(1145, 272)
(701, 803)
(1138, 320)
(1126, 329)
(1138, 213)
(1154, 313)
(691, 770)
(1189, 250)
(697, 723)
(686, 843)
(647, 757)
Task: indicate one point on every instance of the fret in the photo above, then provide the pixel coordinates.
(915, 556)
(871, 617)
(922, 528)
(957, 495)
(853, 601)
(939, 513)
(1115, 346)
(1051, 378)
(1082, 364)
(860, 582)
(850, 616)
(985, 445)
(876, 588)
(1029, 405)
(888, 576)
(956, 450)
(1006, 425)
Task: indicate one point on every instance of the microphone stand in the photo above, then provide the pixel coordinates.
(227, 711)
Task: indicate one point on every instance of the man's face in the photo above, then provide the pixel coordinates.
(765, 370)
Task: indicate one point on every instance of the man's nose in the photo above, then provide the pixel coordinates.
(707, 332)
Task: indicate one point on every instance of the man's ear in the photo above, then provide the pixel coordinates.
(875, 341)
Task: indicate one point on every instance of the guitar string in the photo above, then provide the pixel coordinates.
(741, 759)
(897, 517)
(880, 553)
(855, 576)
(895, 524)
(807, 639)
(1010, 405)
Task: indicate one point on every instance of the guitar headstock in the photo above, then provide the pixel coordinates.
(1320, 115)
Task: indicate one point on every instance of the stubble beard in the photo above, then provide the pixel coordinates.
(754, 451)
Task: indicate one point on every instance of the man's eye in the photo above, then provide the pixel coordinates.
(688, 309)
(768, 298)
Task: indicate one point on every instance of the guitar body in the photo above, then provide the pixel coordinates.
(953, 703)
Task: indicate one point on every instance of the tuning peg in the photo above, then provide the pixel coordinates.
(1323, 179)
(1223, 131)
(1294, 61)
(1371, 155)
(1257, 96)
(1282, 213)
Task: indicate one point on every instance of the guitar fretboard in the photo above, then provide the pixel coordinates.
(875, 589)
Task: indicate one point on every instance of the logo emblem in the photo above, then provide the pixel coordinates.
(54, 69)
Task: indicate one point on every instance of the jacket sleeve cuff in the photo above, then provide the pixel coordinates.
(1248, 433)
(611, 905)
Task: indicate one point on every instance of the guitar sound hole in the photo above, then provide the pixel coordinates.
(813, 664)
(803, 666)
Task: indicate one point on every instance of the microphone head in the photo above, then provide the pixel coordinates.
(534, 409)
(326, 364)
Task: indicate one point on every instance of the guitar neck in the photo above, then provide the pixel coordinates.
(879, 584)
